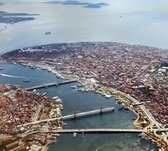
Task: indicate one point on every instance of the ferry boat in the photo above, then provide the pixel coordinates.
(31, 67)
(47, 33)
(26, 80)
(55, 97)
(75, 134)
(43, 94)
(34, 90)
(61, 106)
(74, 86)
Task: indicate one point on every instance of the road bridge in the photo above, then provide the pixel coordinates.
(49, 85)
(73, 116)
(93, 130)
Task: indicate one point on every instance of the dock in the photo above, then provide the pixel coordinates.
(45, 85)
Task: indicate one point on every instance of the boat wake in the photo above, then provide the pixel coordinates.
(11, 76)
(3, 28)
(98, 149)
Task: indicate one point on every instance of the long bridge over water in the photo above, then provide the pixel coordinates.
(73, 116)
(93, 130)
(45, 85)
(105, 130)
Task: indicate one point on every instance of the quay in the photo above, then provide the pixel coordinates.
(49, 85)
(73, 116)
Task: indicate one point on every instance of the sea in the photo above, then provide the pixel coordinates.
(127, 21)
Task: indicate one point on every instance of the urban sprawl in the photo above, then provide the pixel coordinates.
(141, 72)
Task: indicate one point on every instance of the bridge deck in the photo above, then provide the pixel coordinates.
(98, 130)
(72, 116)
(49, 85)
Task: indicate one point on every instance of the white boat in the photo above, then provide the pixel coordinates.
(43, 94)
(75, 134)
(55, 97)
(58, 100)
(61, 106)
(34, 90)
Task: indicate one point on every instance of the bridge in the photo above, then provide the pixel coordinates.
(92, 131)
(49, 85)
(98, 130)
(73, 116)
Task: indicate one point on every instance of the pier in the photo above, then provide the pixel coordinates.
(73, 116)
(40, 86)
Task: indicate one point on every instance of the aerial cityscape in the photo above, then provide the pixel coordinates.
(84, 94)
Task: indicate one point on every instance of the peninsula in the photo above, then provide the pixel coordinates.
(137, 75)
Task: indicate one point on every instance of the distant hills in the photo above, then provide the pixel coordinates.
(83, 4)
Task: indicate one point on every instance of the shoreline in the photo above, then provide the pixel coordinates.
(135, 122)
(110, 90)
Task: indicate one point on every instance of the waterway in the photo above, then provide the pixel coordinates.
(74, 100)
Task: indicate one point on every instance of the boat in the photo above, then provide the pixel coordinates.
(32, 67)
(61, 106)
(55, 97)
(74, 87)
(1, 68)
(34, 90)
(47, 33)
(75, 134)
(58, 100)
(43, 94)
(107, 96)
(26, 80)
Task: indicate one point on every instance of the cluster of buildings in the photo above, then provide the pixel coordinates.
(137, 70)
(18, 107)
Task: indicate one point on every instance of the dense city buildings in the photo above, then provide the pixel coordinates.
(18, 107)
(140, 71)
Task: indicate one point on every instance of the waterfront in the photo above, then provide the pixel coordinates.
(81, 101)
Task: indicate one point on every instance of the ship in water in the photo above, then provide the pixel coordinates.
(26, 80)
(121, 106)
(47, 33)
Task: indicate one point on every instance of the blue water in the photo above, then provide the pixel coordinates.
(131, 21)
(74, 100)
